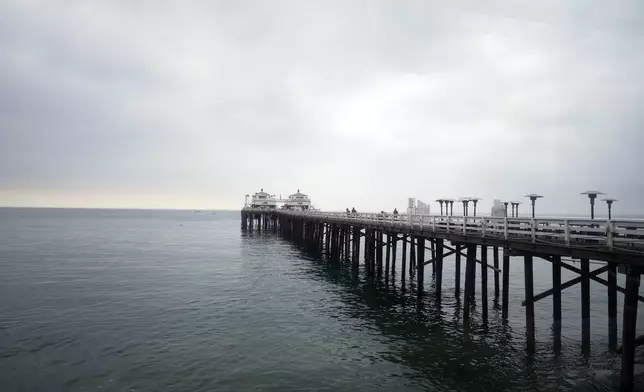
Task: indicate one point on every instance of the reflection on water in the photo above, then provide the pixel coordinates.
(178, 300)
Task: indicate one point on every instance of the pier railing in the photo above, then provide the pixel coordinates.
(626, 235)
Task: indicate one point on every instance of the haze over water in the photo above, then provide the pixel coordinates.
(134, 300)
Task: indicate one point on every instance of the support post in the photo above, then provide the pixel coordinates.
(379, 253)
(347, 241)
(387, 257)
(404, 257)
(412, 256)
(457, 273)
(612, 306)
(393, 256)
(356, 249)
(556, 303)
(506, 284)
(628, 329)
(367, 252)
(496, 271)
(472, 278)
(585, 306)
(327, 239)
(529, 307)
(433, 250)
(484, 281)
(438, 264)
(471, 255)
(420, 280)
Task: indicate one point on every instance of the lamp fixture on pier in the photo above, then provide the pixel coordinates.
(465, 201)
(533, 197)
(609, 201)
(440, 201)
(451, 206)
(592, 195)
(505, 203)
(515, 208)
(475, 200)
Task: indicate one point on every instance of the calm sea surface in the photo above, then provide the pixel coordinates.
(120, 300)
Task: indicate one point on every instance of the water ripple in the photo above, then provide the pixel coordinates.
(159, 300)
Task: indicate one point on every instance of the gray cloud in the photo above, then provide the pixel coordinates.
(194, 104)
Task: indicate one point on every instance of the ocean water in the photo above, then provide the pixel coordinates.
(130, 300)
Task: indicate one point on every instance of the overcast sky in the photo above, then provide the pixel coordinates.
(193, 104)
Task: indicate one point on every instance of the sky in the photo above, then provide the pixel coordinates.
(193, 104)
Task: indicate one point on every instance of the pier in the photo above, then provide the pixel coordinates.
(618, 246)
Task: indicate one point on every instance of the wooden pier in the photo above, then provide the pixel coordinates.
(431, 238)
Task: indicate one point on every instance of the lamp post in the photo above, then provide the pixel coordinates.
(451, 206)
(515, 208)
(440, 201)
(505, 203)
(475, 200)
(464, 200)
(609, 201)
(592, 195)
(533, 197)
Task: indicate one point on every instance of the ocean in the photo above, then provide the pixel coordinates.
(146, 300)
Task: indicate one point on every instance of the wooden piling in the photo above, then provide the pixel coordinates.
(347, 242)
(469, 263)
(420, 273)
(556, 303)
(612, 306)
(457, 273)
(356, 250)
(412, 256)
(438, 263)
(404, 257)
(472, 277)
(374, 250)
(367, 251)
(327, 240)
(388, 257)
(393, 256)
(433, 253)
(496, 271)
(484, 282)
(629, 328)
(340, 241)
(585, 306)
(379, 237)
(506, 284)
(529, 307)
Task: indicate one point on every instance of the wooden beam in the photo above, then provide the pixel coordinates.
(564, 286)
(639, 341)
(452, 250)
(594, 277)
(435, 258)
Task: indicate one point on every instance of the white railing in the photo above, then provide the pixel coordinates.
(614, 234)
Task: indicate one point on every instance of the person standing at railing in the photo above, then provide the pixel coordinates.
(353, 210)
(395, 212)
(348, 212)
